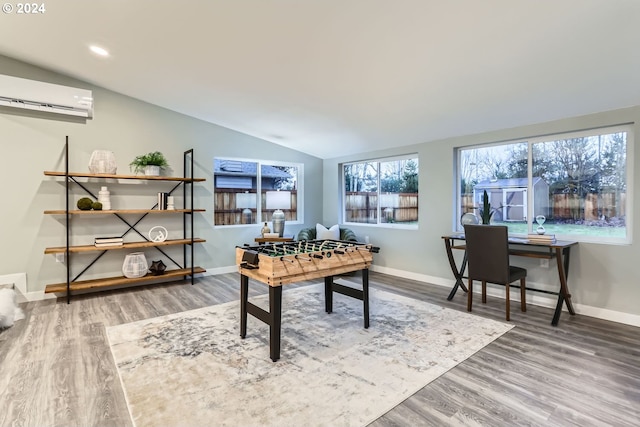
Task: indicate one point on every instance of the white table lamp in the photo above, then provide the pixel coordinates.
(246, 201)
(278, 200)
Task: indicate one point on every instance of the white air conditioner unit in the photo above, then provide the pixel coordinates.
(45, 97)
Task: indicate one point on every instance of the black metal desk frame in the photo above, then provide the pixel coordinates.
(560, 250)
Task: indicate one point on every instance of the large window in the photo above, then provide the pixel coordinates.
(576, 184)
(249, 191)
(382, 191)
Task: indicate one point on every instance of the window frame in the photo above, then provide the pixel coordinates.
(628, 128)
(379, 213)
(259, 163)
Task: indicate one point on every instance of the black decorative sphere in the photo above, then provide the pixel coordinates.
(157, 268)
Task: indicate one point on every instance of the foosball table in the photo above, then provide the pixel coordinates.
(278, 264)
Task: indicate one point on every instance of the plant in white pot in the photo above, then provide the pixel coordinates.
(149, 164)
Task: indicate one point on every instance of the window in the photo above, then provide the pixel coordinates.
(383, 191)
(241, 186)
(574, 184)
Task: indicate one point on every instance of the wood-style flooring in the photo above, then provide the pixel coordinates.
(56, 367)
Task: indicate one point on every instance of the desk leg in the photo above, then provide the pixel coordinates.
(562, 259)
(275, 323)
(457, 274)
(244, 298)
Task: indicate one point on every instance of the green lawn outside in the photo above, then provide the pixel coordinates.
(570, 230)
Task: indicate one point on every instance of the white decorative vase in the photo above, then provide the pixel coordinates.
(135, 265)
(152, 170)
(104, 198)
(102, 162)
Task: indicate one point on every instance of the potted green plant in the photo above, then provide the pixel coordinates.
(149, 164)
(485, 210)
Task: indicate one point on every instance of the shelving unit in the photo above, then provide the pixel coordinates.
(186, 268)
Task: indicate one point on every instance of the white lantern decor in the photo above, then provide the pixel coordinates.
(135, 265)
(102, 161)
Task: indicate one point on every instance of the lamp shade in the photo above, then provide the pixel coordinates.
(245, 200)
(390, 200)
(278, 200)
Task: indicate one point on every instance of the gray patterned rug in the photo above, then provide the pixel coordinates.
(193, 369)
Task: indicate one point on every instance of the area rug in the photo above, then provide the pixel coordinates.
(193, 369)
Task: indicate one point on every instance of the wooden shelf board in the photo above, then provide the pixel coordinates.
(116, 176)
(129, 245)
(120, 280)
(119, 211)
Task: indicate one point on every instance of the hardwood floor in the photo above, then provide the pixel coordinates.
(56, 367)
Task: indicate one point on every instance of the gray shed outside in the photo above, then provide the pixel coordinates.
(509, 197)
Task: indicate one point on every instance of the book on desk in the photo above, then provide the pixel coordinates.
(541, 238)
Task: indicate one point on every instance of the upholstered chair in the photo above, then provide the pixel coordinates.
(488, 260)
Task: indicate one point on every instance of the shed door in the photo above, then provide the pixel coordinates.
(514, 202)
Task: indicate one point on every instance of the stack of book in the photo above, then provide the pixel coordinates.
(541, 238)
(101, 242)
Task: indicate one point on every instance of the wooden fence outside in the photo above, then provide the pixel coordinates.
(226, 212)
(569, 206)
(362, 207)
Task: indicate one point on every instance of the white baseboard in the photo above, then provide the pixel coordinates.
(221, 270)
(20, 282)
(532, 297)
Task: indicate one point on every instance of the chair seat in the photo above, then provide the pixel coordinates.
(516, 273)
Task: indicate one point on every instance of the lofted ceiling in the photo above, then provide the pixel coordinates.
(340, 77)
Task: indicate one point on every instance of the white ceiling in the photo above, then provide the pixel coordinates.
(338, 77)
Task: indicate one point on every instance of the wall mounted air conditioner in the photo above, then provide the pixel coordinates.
(45, 97)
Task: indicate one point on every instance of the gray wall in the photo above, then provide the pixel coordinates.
(602, 278)
(128, 127)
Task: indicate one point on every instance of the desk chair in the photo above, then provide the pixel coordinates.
(488, 261)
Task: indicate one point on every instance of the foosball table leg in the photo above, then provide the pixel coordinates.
(244, 298)
(275, 321)
(328, 294)
(365, 296)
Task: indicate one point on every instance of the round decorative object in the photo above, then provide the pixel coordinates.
(85, 204)
(102, 162)
(135, 265)
(158, 234)
(265, 229)
(469, 218)
(157, 267)
(96, 206)
(540, 219)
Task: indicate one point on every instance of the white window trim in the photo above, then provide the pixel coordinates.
(259, 220)
(625, 127)
(379, 213)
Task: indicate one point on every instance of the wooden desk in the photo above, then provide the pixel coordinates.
(261, 240)
(560, 250)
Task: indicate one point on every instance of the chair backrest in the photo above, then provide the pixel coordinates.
(487, 252)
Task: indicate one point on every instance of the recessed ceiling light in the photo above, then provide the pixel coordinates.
(99, 50)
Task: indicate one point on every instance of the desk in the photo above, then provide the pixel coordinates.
(560, 250)
(261, 240)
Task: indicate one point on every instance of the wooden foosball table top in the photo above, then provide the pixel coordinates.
(277, 264)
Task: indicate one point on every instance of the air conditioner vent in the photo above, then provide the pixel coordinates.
(27, 94)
